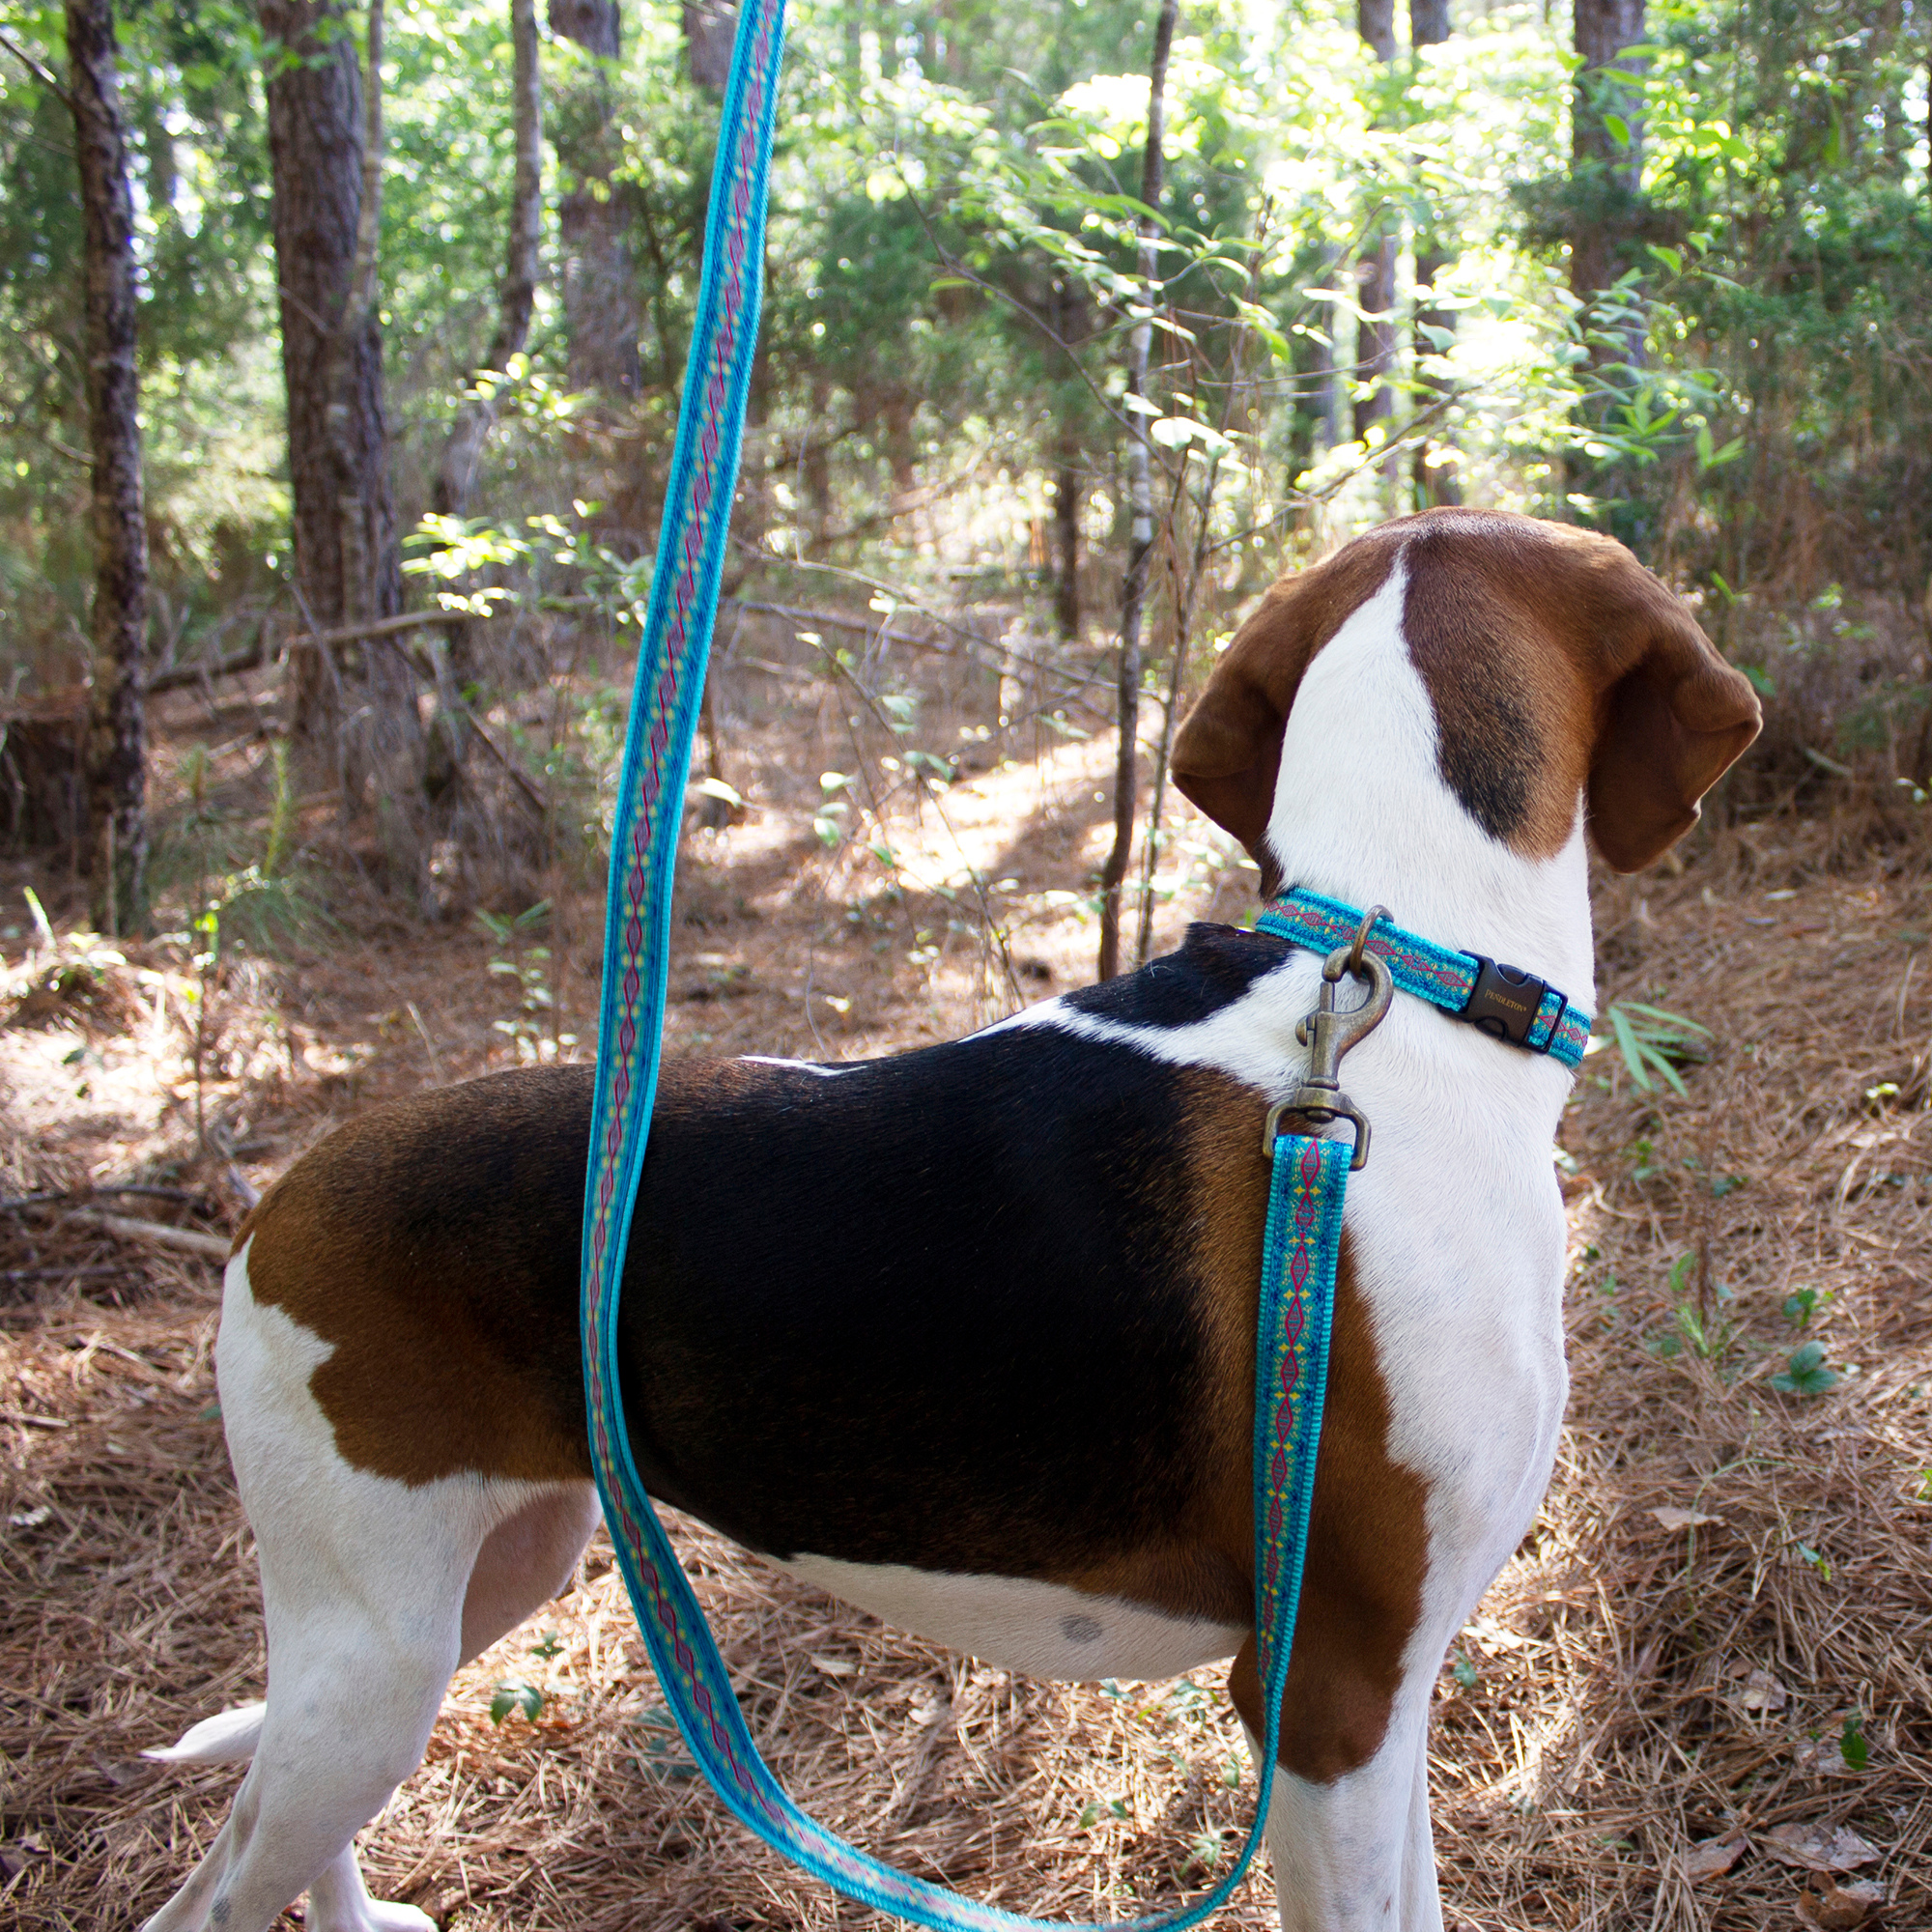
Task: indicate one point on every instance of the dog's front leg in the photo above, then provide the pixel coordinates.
(1348, 1830)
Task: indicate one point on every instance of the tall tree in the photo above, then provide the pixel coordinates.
(600, 305)
(325, 150)
(117, 732)
(1140, 505)
(710, 26)
(516, 293)
(1375, 273)
(1606, 143)
(1434, 482)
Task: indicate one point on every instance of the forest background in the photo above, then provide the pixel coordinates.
(338, 379)
(1661, 271)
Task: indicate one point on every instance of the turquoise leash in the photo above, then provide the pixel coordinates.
(1301, 1246)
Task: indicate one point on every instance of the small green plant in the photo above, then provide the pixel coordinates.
(529, 967)
(1802, 1303)
(1206, 1851)
(828, 822)
(1815, 1558)
(1853, 1746)
(1709, 1334)
(1804, 1371)
(1656, 1043)
(514, 1694)
(1463, 1672)
(548, 1646)
(1100, 1811)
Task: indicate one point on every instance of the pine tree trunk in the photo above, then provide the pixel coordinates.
(117, 730)
(345, 538)
(522, 266)
(1435, 482)
(1068, 492)
(1375, 273)
(1067, 540)
(1604, 172)
(594, 272)
(463, 450)
(710, 26)
(1140, 504)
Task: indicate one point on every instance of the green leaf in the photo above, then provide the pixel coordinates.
(1805, 1372)
(513, 1695)
(1852, 1745)
(1626, 1045)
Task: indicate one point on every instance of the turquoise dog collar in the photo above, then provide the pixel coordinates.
(1504, 1001)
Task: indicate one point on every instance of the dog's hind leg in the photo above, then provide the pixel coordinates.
(373, 1589)
(363, 1594)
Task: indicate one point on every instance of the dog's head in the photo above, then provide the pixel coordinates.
(1558, 666)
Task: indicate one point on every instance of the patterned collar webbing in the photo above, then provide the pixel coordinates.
(1503, 1001)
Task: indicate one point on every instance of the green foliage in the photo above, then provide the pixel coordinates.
(532, 1029)
(1805, 1373)
(1802, 1303)
(951, 270)
(1655, 1042)
(515, 1695)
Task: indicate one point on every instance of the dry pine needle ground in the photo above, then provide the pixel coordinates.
(1717, 1632)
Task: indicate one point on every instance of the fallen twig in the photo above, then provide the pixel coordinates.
(57, 1196)
(188, 1239)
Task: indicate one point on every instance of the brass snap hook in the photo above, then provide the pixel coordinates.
(1328, 1034)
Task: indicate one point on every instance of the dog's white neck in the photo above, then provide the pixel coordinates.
(1362, 813)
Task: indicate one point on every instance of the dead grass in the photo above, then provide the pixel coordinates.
(1633, 1687)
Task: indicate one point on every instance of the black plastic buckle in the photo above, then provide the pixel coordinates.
(1505, 1000)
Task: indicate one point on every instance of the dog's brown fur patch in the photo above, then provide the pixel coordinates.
(450, 1352)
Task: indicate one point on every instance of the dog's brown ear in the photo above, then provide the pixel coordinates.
(1668, 728)
(1226, 754)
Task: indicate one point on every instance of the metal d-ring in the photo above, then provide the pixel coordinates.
(1370, 920)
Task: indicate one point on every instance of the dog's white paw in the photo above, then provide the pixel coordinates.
(373, 1914)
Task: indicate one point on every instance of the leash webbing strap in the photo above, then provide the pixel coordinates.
(1503, 1001)
(1303, 1244)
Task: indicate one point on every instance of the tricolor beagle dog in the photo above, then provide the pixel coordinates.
(966, 1336)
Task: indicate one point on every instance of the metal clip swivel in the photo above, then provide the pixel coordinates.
(1328, 1034)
